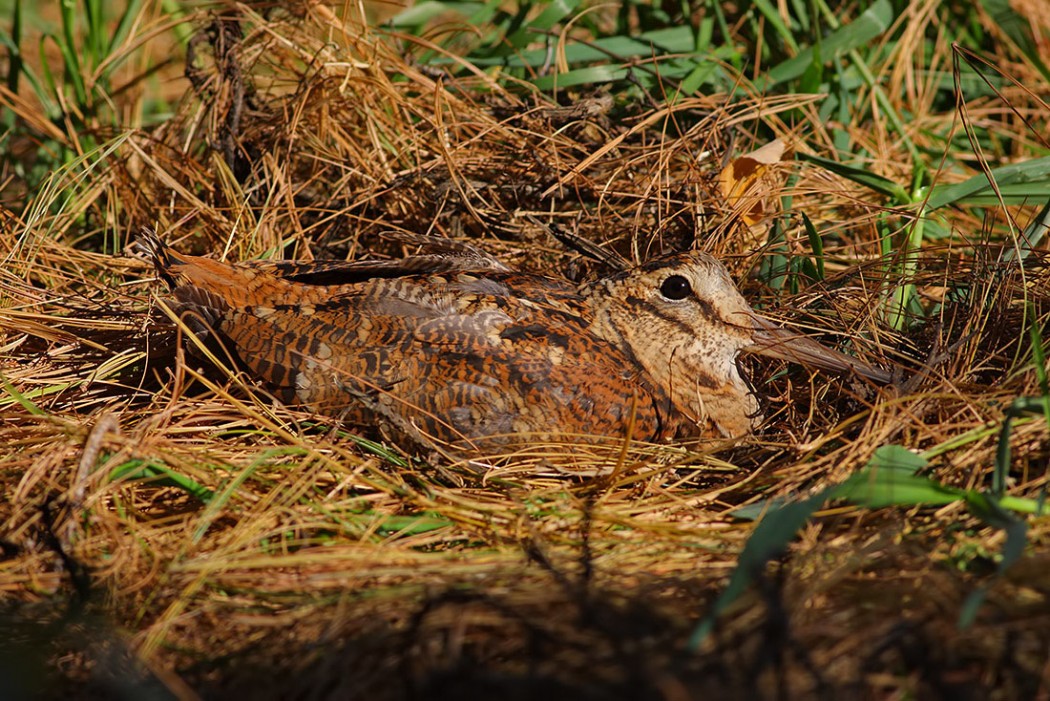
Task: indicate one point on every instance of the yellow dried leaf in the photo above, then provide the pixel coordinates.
(748, 183)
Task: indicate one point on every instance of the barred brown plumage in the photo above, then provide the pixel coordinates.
(456, 351)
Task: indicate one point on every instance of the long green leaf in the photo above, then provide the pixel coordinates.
(554, 12)
(70, 55)
(217, 502)
(48, 83)
(816, 244)
(774, 19)
(992, 513)
(890, 479)
(1018, 181)
(1018, 29)
(419, 14)
(581, 76)
(95, 38)
(872, 23)
(19, 398)
(14, 67)
(411, 525)
(673, 40)
(860, 176)
(155, 473)
(127, 20)
(769, 540)
(1019, 407)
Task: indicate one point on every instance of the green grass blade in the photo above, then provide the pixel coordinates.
(484, 14)
(1019, 407)
(701, 74)
(774, 19)
(1018, 29)
(1019, 183)
(156, 473)
(770, 538)
(218, 501)
(672, 40)
(124, 24)
(890, 479)
(7, 40)
(879, 184)
(95, 38)
(872, 23)
(418, 15)
(412, 524)
(992, 513)
(1011, 194)
(14, 46)
(48, 83)
(20, 398)
(68, 47)
(592, 75)
(554, 13)
(816, 244)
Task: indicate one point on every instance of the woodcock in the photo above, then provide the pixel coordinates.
(454, 350)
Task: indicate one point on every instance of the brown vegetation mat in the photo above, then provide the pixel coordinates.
(168, 529)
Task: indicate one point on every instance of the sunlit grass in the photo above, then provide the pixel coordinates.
(910, 228)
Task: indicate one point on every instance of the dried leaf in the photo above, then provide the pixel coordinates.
(751, 182)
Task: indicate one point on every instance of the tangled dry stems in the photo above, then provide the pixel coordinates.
(307, 136)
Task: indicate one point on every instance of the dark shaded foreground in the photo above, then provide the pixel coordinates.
(864, 638)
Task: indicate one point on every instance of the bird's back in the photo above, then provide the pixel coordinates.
(481, 358)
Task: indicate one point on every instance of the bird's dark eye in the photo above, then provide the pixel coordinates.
(676, 287)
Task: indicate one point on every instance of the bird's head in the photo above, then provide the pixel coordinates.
(686, 323)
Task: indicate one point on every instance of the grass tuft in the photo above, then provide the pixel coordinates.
(213, 541)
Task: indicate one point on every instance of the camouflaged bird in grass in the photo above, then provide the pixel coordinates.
(455, 351)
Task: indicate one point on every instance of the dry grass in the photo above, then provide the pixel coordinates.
(166, 526)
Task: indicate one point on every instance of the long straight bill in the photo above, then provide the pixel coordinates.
(777, 342)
